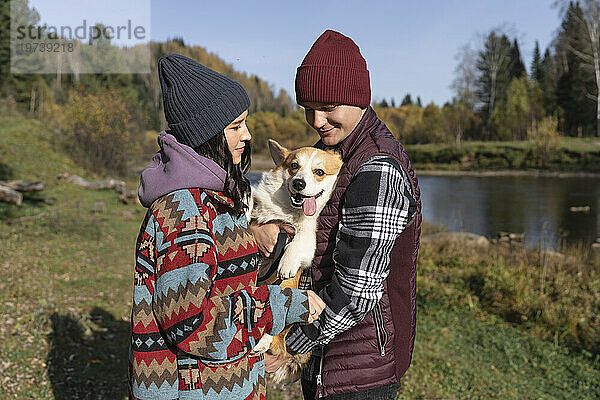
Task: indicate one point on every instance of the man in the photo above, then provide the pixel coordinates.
(367, 240)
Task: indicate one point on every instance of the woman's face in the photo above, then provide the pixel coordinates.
(237, 134)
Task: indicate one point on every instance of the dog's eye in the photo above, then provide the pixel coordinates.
(294, 165)
(319, 172)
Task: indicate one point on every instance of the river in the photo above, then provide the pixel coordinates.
(539, 207)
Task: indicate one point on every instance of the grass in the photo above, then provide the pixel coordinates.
(491, 324)
(66, 296)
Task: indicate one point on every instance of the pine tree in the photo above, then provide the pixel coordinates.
(517, 68)
(575, 81)
(537, 71)
(549, 82)
(419, 103)
(4, 41)
(583, 20)
(407, 101)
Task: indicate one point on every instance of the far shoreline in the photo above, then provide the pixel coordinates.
(261, 163)
(528, 173)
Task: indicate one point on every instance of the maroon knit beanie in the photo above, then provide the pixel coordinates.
(334, 71)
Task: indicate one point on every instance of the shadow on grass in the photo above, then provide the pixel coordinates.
(88, 362)
(6, 172)
(32, 204)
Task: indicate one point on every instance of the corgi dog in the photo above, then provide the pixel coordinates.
(294, 192)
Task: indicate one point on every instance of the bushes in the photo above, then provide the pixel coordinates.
(557, 296)
(545, 137)
(97, 134)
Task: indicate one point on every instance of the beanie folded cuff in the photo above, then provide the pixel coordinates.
(212, 120)
(333, 84)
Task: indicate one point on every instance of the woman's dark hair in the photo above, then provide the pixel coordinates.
(217, 150)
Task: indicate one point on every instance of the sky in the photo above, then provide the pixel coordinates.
(410, 46)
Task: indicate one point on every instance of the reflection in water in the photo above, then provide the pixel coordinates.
(537, 207)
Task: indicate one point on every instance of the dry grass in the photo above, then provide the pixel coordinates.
(555, 295)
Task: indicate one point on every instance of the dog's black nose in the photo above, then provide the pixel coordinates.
(298, 184)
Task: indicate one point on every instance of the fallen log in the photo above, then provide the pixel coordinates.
(97, 185)
(9, 195)
(126, 196)
(129, 197)
(23, 186)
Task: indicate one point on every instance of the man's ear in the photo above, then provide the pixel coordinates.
(278, 152)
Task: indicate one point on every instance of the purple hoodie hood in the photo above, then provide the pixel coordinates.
(177, 166)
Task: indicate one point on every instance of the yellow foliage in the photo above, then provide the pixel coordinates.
(412, 124)
(546, 138)
(291, 131)
(511, 116)
(96, 131)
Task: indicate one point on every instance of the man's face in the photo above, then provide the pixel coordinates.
(333, 122)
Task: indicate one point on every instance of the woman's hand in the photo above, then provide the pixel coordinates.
(265, 235)
(315, 305)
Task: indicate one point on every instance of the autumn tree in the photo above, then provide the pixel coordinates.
(465, 76)
(493, 65)
(97, 132)
(512, 115)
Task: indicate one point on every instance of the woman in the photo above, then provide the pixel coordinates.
(197, 313)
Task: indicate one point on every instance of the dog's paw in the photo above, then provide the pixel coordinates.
(263, 345)
(288, 266)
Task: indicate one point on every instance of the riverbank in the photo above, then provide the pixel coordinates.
(572, 156)
(261, 163)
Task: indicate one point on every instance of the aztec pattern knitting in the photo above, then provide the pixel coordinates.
(197, 312)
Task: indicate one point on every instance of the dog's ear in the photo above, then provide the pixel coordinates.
(278, 152)
(336, 159)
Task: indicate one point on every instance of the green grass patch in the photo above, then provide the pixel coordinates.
(464, 355)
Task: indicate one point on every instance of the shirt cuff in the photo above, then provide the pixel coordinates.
(288, 306)
(297, 340)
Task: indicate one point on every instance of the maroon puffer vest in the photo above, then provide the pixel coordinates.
(378, 350)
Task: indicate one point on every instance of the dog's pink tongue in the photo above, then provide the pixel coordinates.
(309, 206)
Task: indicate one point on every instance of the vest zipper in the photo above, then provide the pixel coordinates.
(382, 336)
(319, 376)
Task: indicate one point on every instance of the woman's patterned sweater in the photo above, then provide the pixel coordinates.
(196, 310)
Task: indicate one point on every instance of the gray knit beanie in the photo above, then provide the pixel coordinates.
(198, 102)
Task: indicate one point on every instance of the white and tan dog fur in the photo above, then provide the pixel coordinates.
(294, 192)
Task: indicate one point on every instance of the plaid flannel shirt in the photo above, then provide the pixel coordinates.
(378, 205)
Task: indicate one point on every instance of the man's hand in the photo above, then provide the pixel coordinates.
(266, 235)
